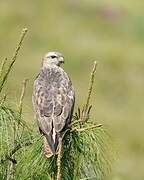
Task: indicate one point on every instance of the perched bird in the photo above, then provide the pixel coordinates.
(53, 101)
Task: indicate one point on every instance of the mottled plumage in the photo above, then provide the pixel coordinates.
(53, 100)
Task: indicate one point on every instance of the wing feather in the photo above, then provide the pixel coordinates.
(53, 99)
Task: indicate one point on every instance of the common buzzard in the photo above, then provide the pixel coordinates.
(53, 100)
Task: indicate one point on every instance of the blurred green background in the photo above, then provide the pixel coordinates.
(111, 32)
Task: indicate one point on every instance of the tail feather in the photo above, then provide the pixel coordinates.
(51, 144)
(47, 150)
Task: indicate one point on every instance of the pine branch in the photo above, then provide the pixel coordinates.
(13, 151)
(4, 78)
(86, 109)
(23, 91)
(86, 129)
(91, 85)
(2, 65)
(59, 176)
(75, 122)
(3, 99)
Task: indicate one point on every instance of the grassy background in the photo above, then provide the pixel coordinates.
(111, 33)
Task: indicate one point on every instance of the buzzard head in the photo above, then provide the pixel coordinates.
(53, 58)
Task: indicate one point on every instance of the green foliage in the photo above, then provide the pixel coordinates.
(85, 154)
(13, 137)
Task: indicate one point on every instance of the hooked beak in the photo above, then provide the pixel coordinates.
(61, 60)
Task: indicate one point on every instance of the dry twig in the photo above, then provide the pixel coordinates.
(2, 65)
(91, 85)
(59, 160)
(86, 129)
(22, 95)
(87, 107)
(24, 31)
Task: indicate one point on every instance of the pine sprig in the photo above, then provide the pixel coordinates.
(6, 65)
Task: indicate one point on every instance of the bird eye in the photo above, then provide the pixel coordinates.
(53, 56)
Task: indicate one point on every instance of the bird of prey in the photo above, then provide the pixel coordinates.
(53, 101)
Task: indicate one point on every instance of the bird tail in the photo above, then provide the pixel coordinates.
(51, 145)
(49, 149)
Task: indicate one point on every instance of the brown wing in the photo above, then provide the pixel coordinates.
(43, 108)
(64, 102)
(53, 99)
